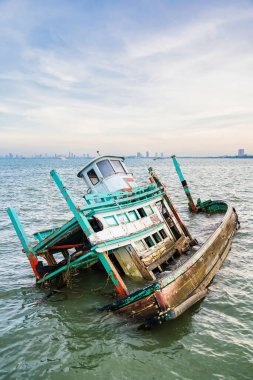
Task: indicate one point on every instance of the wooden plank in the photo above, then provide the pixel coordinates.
(29, 251)
(82, 220)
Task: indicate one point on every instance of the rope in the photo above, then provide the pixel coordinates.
(68, 278)
(102, 287)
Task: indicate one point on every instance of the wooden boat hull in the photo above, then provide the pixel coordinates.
(175, 293)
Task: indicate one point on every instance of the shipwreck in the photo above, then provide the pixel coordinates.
(132, 230)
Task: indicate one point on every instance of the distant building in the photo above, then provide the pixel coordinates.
(241, 152)
(139, 154)
(147, 154)
(156, 154)
(161, 154)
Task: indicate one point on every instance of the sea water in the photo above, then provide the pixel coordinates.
(65, 336)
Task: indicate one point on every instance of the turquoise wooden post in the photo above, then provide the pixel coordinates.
(184, 184)
(19, 229)
(86, 227)
(112, 272)
(82, 220)
(170, 203)
(30, 253)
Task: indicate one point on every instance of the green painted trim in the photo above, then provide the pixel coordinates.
(129, 237)
(55, 236)
(64, 267)
(80, 217)
(178, 272)
(127, 199)
(133, 297)
(122, 206)
(19, 229)
(21, 233)
(119, 194)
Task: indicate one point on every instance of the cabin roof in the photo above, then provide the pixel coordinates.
(97, 159)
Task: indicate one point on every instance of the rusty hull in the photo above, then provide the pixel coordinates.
(191, 278)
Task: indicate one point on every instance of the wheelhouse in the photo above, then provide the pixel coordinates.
(107, 174)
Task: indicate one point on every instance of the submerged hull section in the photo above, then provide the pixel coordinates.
(176, 292)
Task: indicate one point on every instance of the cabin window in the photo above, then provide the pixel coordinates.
(156, 237)
(111, 221)
(93, 177)
(149, 210)
(123, 218)
(163, 234)
(105, 168)
(149, 241)
(118, 167)
(142, 213)
(132, 215)
(140, 245)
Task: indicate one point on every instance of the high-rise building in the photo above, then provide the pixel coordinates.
(139, 154)
(161, 154)
(147, 154)
(241, 152)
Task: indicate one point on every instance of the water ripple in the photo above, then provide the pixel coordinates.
(65, 337)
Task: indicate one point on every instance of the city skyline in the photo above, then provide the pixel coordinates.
(146, 154)
(126, 76)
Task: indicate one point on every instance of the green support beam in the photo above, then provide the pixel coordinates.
(30, 253)
(86, 227)
(82, 220)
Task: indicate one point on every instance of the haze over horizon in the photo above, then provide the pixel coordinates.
(126, 76)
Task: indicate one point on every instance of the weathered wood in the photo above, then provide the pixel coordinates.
(170, 204)
(146, 273)
(194, 280)
(184, 184)
(82, 220)
(127, 263)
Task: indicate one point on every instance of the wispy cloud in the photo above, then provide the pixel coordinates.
(77, 76)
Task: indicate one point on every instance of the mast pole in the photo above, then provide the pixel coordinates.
(192, 206)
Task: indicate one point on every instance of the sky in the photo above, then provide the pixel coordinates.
(126, 76)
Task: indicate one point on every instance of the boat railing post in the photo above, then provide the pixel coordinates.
(170, 203)
(81, 219)
(30, 253)
(113, 273)
(87, 229)
(192, 206)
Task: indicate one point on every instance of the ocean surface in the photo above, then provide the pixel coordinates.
(66, 337)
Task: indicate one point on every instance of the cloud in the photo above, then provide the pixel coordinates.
(86, 76)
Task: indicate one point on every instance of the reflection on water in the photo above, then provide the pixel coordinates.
(64, 336)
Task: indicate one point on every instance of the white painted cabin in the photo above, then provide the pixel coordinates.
(107, 174)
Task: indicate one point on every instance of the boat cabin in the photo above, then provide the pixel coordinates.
(107, 174)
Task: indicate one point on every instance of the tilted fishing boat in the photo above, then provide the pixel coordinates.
(132, 230)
